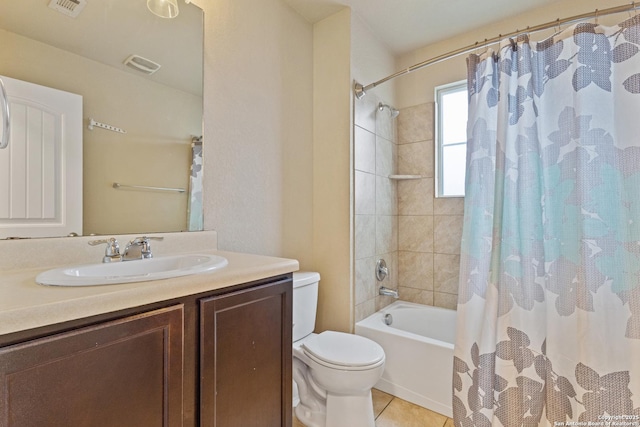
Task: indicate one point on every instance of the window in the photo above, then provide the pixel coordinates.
(451, 139)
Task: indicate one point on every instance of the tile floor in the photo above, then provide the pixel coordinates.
(391, 411)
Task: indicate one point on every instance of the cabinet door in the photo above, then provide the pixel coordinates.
(245, 358)
(126, 372)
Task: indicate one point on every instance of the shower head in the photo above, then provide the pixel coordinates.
(392, 111)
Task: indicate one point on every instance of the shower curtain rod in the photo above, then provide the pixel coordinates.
(360, 90)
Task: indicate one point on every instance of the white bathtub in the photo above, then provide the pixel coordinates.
(419, 350)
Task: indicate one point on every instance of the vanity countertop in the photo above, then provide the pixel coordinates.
(24, 304)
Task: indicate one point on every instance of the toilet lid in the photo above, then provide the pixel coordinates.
(343, 349)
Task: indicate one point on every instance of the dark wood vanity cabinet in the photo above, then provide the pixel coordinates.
(126, 372)
(245, 358)
(220, 359)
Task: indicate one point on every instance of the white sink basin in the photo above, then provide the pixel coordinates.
(131, 271)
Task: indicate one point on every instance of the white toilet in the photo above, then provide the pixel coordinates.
(333, 371)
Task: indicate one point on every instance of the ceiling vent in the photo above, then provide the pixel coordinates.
(70, 8)
(141, 64)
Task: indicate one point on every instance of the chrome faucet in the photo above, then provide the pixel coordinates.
(139, 248)
(112, 252)
(387, 292)
(382, 270)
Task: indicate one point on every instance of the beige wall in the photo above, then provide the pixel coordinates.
(258, 127)
(332, 170)
(137, 157)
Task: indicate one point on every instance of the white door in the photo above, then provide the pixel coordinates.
(41, 169)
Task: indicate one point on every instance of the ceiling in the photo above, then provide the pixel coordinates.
(110, 31)
(405, 25)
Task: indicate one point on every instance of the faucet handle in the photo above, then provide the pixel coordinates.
(146, 246)
(145, 239)
(112, 252)
(382, 270)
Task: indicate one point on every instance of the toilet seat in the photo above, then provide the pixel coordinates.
(339, 350)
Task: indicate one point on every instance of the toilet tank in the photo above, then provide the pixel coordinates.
(305, 303)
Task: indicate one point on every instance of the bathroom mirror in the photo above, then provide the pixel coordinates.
(152, 119)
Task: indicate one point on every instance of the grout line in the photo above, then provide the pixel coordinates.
(385, 407)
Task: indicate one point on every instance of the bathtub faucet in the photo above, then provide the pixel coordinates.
(382, 270)
(388, 292)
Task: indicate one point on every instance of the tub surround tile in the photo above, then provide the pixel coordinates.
(376, 206)
(415, 233)
(415, 270)
(446, 273)
(416, 295)
(386, 233)
(383, 301)
(385, 125)
(365, 189)
(365, 309)
(447, 233)
(415, 197)
(445, 300)
(402, 222)
(386, 196)
(448, 206)
(365, 279)
(365, 238)
(428, 225)
(365, 150)
(400, 413)
(385, 157)
(416, 159)
(416, 123)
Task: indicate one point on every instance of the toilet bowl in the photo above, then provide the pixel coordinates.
(334, 371)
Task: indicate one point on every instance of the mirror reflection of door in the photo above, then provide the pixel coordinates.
(41, 169)
(160, 112)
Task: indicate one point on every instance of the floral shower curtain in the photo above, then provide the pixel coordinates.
(549, 299)
(194, 209)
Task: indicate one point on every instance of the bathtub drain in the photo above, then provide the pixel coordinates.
(388, 319)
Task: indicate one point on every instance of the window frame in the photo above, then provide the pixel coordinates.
(439, 92)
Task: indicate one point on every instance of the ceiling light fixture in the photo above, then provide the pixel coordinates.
(164, 8)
